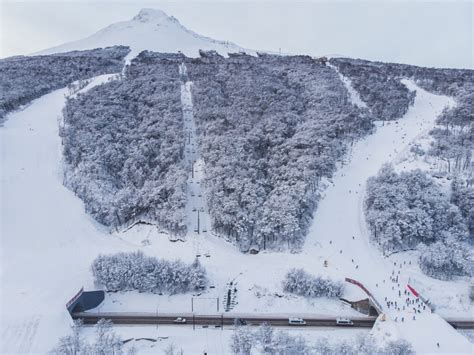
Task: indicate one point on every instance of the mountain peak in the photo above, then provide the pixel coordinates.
(150, 29)
(152, 15)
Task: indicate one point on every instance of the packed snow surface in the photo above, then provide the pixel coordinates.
(48, 242)
(353, 94)
(151, 30)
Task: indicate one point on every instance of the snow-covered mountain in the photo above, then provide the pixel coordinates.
(153, 30)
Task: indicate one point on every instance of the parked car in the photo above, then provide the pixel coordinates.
(296, 321)
(344, 322)
(180, 320)
(239, 321)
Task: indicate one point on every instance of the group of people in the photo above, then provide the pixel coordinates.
(405, 300)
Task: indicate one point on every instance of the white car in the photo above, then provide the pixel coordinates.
(180, 320)
(344, 321)
(296, 321)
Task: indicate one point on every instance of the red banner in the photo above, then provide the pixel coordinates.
(413, 291)
(75, 298)
(371, 297)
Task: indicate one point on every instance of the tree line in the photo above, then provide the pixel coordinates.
(247, 340)
(25, 78)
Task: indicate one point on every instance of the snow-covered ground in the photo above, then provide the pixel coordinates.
(48, 242)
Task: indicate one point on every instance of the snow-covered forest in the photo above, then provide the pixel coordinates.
(123, 146)
(453, 142)
(25, 78)
(266, 340)
(135, 271)
(462, 195)
(270, 128)
(301, 283)
(408, 210)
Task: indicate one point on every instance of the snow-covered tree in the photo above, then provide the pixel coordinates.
(299, 282)
(462, 195)
(135, 271)
(242, 340)
(264, 340)
(446, 259)
(398, 347)
(406, 209)
(73, 344)
(106, 342)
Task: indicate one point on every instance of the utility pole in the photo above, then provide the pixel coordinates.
(198, 221)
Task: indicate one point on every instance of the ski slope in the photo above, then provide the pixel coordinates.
(339, 234)
(47, 241)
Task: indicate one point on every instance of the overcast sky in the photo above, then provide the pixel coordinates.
(427, 33)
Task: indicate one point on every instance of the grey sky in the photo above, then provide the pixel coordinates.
(425, 33)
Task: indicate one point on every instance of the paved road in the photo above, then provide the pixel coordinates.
(229, 319)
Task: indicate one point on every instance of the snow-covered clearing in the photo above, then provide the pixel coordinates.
(48, 242)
